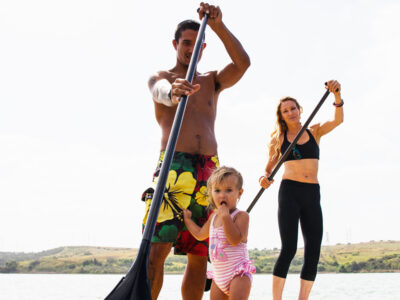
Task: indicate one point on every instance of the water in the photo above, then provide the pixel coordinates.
(365, 286)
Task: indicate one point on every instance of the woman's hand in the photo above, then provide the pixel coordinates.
(265, 182)
(334, 87)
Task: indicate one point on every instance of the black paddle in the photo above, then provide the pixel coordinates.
(135, 285)
(291, 146)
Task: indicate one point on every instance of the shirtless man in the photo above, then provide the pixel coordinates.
(196, 150)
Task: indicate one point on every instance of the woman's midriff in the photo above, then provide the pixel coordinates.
(304, 170)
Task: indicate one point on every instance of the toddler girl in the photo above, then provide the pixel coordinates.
(227, 228)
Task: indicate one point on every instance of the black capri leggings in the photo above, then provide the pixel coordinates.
(299, 201)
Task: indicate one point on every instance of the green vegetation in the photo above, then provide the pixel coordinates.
(94, 260)
(344, 258)
(383, 256)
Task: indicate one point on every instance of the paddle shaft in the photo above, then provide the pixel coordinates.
(173, 137)
(135, 285)
(290, 148)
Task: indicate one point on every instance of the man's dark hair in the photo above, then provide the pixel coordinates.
(182, 26)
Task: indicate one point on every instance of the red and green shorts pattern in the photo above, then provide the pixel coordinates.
(186, 187)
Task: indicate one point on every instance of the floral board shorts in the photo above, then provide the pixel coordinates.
(186, 187)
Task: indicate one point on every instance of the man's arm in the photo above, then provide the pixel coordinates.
(231, 74)
(160, 89)
(164, 92)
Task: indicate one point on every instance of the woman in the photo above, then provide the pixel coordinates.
(299, 194)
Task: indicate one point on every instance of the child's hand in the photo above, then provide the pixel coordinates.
(223, 211)
(187, 214)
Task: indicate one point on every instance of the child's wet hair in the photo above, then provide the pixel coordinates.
(219, 175)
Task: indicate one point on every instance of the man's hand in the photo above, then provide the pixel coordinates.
(214, 14)
(181, 87)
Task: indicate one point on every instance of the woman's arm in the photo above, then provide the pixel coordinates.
(199, 233)
(328, 126)
(272, 161)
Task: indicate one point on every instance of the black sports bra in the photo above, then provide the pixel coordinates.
(310, 149)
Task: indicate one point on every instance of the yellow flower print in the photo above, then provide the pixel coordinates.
(178, 193)
(216, 161)
(202, 197)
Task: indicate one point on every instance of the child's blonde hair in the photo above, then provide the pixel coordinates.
(217, 176)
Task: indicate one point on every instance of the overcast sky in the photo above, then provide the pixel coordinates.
(79, 141)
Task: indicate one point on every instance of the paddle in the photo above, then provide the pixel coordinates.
(291, 146)
(135, 285)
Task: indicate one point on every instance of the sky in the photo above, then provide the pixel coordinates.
(79, 141)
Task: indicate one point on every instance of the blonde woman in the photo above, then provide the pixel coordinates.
(299, 192)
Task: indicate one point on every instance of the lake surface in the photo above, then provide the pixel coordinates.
(365, 286)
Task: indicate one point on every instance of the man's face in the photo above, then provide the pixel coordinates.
(184, 47)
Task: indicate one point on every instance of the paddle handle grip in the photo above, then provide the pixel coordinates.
(326, 84)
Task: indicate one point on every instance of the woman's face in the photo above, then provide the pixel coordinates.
(290, 112)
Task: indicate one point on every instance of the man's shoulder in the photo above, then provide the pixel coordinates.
(170, 75)
(209, 77)
(161, 74)
(209, 74)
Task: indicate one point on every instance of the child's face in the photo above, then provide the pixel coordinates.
(226, 192)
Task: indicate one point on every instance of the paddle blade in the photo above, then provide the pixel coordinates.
(208, 285)
(135, 285)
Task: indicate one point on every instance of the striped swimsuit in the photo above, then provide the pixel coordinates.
(227, 260)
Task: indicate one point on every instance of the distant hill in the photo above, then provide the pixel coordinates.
(383, 256)
(80, 259)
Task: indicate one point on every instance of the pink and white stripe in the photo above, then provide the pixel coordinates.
(227, 260)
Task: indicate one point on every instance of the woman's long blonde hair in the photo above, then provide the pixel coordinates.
(280, 128)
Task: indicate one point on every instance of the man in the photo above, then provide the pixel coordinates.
(195, 155)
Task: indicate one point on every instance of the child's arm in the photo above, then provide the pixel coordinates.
(199, 233)
(236, 230)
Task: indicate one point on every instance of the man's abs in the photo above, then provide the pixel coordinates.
(197, 132)
(193, 138)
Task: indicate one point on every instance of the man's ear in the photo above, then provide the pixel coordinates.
(175, 44)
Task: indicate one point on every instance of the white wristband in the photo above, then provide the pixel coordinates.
(161, 92)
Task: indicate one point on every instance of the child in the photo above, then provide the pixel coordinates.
(227, 228)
